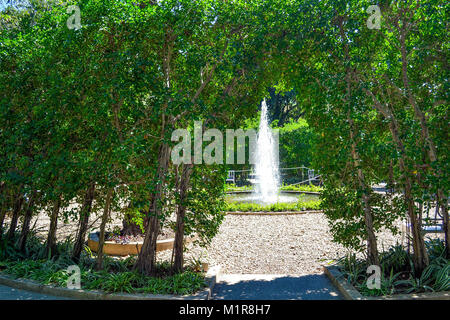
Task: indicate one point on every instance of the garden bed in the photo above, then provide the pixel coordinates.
(398, 279)
(204, 293)
(117, 275)
(351, 293)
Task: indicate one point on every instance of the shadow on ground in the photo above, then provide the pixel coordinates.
(275, 287)
(8, 293)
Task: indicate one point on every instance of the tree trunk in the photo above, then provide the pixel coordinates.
(50, 248)
(15, 217)
(421, 259)
(147, 257)
(391, 185)
(83, 225)
(2, 219)
(101, 240)
(26, 221)
(3, 206)
(442, 200)
(3, 211)
(425, 133)
(372, 250)
(178, 246)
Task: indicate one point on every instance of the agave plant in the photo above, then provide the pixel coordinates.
(441, 274)
(395, 258)
(435, 248)
(353, 268)
(418, 284)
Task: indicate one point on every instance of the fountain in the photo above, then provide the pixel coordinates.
(266, 181)
(266, 161)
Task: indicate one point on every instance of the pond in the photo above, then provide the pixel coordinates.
(283, 197)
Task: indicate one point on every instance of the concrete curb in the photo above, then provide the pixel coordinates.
(211, 279)
(350, 293)
(443, 295)
(338, 279)
(271, 213)
(30, 285)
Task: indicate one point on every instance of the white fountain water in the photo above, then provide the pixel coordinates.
(266, 161)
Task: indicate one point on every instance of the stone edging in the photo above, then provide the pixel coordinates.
(350, 293)
(30, 285)
(271, 213)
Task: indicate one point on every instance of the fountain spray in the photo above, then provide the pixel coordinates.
(266, 161)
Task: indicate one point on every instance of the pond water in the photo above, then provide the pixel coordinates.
(283, 197)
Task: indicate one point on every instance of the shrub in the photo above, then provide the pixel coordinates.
(117, 276)
(275, 207)
(397, 272)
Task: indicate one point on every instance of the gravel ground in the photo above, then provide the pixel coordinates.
(294, 245)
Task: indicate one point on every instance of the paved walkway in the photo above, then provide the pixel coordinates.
(275, 287)
(8, 293)
(237, 287)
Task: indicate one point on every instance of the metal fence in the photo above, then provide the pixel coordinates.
(288, 176)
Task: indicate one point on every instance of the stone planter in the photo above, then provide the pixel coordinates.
(132, 248)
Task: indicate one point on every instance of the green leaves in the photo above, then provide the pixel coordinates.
(96, 104)
(398, 272)
(51, 273)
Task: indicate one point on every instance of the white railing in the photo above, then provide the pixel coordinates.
(308, 173)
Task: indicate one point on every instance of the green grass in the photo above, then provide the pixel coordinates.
(276, 207)
(233, 187)
(302, 188)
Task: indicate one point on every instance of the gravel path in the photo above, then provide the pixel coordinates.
(294, 244)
